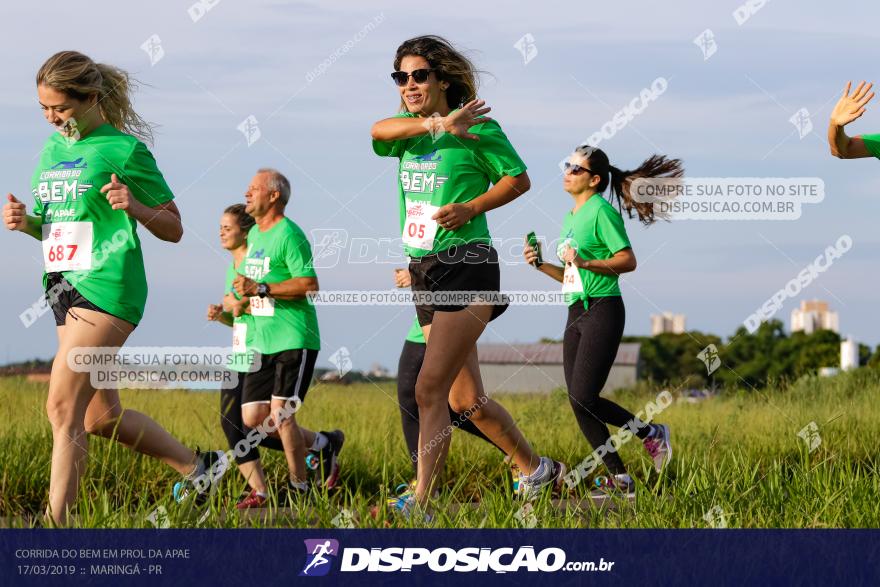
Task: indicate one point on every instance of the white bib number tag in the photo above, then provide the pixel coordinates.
(571, 280)
(67, 246)
(239, 337)
(419, 229)
(262, 306)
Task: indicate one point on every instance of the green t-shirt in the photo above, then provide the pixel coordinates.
(281, 253)
(451, 170)
(415, 333)
(872, 143)
(596, 231)
(67, 192)
(240, 361)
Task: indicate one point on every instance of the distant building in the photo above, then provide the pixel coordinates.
(813, 315)
(523, 368)
(377, 371)
(667, 322)
(849, 354)
(333, 376)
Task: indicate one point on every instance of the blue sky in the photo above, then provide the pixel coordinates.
(727, 116)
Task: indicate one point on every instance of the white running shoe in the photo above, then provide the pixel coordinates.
(529, 488)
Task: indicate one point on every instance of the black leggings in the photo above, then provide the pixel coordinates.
(234, 429)
(592, 337)
(407, 372)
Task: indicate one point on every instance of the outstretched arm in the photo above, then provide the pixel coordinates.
(850, 107)
(456, 123)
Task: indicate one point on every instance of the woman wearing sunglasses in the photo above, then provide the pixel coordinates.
(595, 250)
(449, 155)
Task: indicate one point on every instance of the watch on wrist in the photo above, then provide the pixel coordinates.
(262, 290)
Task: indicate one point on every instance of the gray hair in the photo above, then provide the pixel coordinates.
(278, 183)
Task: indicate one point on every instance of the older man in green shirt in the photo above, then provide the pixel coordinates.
(274, 279)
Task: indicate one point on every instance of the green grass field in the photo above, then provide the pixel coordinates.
(737, 455)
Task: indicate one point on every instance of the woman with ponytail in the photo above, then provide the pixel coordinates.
(595, 250)
(95, 183)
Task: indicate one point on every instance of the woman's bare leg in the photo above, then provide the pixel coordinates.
(106, 417)
(451, 338)
(467, 395)
(295, 438)
(70, 396)
(252, 471)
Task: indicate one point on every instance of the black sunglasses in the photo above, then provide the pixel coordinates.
(576, 169)
(419, 75)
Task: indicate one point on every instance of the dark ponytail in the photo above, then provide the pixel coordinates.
(620, 181)
(245, 221)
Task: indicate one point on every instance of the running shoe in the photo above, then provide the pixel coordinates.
(403, 487)
(252, 500)
(212, 466)
(406, 506)
(613, 487)
(554, 473)
(325, 462)
(411, 488)
(294, 494)
(659, 446)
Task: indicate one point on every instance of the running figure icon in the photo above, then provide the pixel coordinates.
(319, 552)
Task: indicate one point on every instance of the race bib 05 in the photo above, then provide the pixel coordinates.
(419, 229)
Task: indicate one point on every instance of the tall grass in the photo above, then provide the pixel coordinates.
(737, 461)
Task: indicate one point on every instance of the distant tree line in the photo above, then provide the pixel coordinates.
(27, 367)
(745, 360)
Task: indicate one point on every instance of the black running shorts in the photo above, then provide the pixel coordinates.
(472, 267)
(281, 376)
(62, 296)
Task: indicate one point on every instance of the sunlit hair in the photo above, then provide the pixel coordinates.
(77, 76)
(449, 65)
